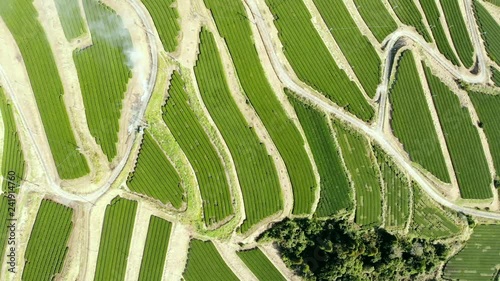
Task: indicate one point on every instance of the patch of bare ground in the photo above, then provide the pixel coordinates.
(228, 254)
(137, 243)
(177, 253)
(272, 254)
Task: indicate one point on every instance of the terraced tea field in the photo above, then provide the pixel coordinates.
(155, 250)
(376, 17)
(71, 18)
(205, 263)
(260, 265)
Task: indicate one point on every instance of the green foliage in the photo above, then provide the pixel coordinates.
(487, 109)
(155, 176)
(201, 153)
(166, 20)
(478, 260)
(411, 119)
(358, 50)
(311, 59)
(47, 246)
(234, 27)
(21, 18)
(462, 139)
(397, 191)
(260, 265)
(255, 168)
(494, 2)
(408, 14)
(428, 219)
(359, 161)
(13, 158)
(337, 249)
(376, 17)
(4, 223)
(116, 236)
(336, 193)
(155, 250)
(104, 71)
(490, 31)
(71, 18)
(495, 76)
(458, 31)
(205, 263)
(433, 15)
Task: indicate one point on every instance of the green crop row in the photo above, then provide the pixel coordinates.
(411, 119)
(336, 193)
(21, 18)
(205, 263)
(494, 2)
(4, 223)
(359, 161)
(408, 14)
(376, 17)
(234, 27)
(260, 265)
(201, 153)
(478, 260)
(257, 174)
(155, 249)
(311, 59)
(495, 76)
(429, 220)
(458, 31)
(433, 15)
(166, 20)
(116, 236)
(490, 31)
(104, 71)
(462, 139)
(357, 49)
(155, 176)
(47, 246)
(397, 191)
(71, 18)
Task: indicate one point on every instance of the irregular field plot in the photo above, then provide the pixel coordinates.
(479, 258)
(71, 18)
(205, 263)
(166, 20)
(234, 27)
(155, 176)
(336, 193)
(255, 168)
(462, 139)
(201, 153)
(260, 265)
(490, 31)
(311, 59)
(365, 176)
(155, 250)
(495, 76)
(411, 119)
(20, 17)
(4, 223)
(116, 234)
(408, 14)
(376, 17)
(104, 71)
(47, 245)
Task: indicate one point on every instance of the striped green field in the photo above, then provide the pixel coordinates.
(155, 176)
(495, 76)
(494, 2)
(462, 139)
(233, 25)
(487, 109)
(430, 220)
(201, 153)
(433, 16)
(260, 265)
(257, 174)
(359, 160)
(104, 71)
(205, 263)
(458, 31)
(490, 31)
(47, 246)
(166, 19)
(408, 13)
(21, 19)
(4, 223)
(397, 191)
(376, 17)
(312, 61)
(116, 236)
(71, 18)
(155, 250)
(411, 119)
(336, 193)
(479, 259)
